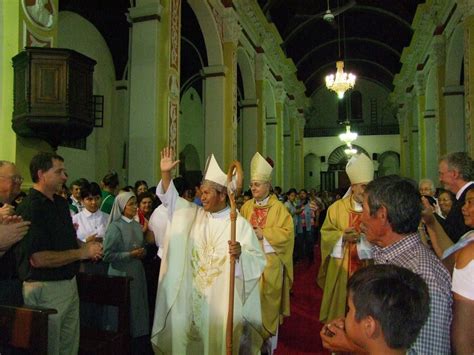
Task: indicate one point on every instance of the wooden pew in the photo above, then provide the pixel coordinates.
(106, 291)
(25, 328)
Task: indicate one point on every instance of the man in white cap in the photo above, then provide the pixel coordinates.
(344, 249)
(192, 299)
(274, 230)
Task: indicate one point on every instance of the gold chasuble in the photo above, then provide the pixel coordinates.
(334, 272)
(277, 278)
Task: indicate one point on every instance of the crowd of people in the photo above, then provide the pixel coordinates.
(397, 258)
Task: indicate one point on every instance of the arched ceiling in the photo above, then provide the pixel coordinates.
(371, 35)
(376, 31)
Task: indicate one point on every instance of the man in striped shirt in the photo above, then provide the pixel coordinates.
(391, 214)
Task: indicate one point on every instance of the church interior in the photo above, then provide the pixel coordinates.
(108, 84)
(235, 77)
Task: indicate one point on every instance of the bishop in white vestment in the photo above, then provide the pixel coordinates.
(193, 288)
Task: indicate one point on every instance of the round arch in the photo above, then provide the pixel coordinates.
(338, 158)
(247, 124)
(389, 163)
(312, 167)
(455, 57)
(248, 77)
(210, 31)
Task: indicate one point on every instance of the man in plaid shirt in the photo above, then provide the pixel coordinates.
(391, 214)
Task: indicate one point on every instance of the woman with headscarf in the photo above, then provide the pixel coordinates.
(124, 249)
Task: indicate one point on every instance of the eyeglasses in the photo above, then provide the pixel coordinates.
(17, 179)
(256, 184)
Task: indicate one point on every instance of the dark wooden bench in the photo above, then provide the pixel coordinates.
(105, 291)
(25, 328)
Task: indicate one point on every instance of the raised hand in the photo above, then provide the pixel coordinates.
(167, 163)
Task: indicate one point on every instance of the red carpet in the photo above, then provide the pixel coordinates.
(299, 334)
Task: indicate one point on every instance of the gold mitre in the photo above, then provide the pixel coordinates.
(214, 173)
(260, 169)
(360, 169)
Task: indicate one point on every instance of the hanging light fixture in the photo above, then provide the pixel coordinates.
(340, 82)
(349, 150)
(348, 137)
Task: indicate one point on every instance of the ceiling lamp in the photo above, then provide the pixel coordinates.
(348, 137)
(349, 150)
(341, 82)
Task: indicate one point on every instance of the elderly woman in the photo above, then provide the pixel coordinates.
(445, 202)
(273, 226)
(124, 249)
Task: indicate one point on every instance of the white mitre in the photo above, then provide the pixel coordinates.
(260, 169)
(360, 169)
(214, 173)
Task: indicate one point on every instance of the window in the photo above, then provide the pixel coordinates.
(356, 106)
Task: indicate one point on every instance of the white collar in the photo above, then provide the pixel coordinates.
(221, 214)
(262, 202)
(126, 219)
(88, 213)
(461, 190)
(357, 206)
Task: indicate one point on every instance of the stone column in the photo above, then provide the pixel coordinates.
(288, 146)
(249, 112)
(271, 135)
(260, 70)
(454, 111)
(280, 96)
(404, 146)
(467, 9)
(438, 54)
(420, 111)
(299, 150)
(231, 34)
(150, 61)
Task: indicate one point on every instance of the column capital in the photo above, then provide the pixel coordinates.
(213, 70)
(146, 12)
(453, 90)
(248, 103)
(466, 8)
(301, 121)
(438, 50)
(420, 83)
(280, 93)
(261, 66)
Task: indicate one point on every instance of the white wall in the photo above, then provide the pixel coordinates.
(104, 145)
(191, 124)
(323, 146)
(324, 110)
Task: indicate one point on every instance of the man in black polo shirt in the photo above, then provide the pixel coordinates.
(49, 255)
(12, 229)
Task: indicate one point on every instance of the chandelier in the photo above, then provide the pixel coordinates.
(341, 82)
(348, 137)
(349, 150)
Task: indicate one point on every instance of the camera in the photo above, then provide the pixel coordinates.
(430, 199)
